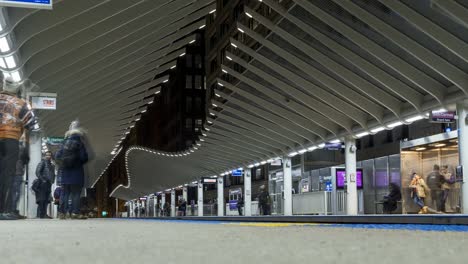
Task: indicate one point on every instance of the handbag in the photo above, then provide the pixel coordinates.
(36, 185)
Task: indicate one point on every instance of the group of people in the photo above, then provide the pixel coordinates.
(16, 120)
(437, 187)
(264, 202)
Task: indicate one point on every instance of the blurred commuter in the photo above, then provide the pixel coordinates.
(264, 201)
(45, 172)
(418, 191)
(23, 160)
(71, 158)
(434, 181)
(15, 118)
(390, 201)
(166, 209)
(182, 207)
(240, 204)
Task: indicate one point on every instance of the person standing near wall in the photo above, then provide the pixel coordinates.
(45, 172)
(15, 118)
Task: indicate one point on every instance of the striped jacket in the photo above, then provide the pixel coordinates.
(15, 116)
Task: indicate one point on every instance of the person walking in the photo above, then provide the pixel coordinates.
(71, 158)
(23, 160)
(45, 172)
(15, 118)
(264, 201)
(240, 204)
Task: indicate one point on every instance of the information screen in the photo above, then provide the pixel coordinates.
(341, 176)
(40, 4)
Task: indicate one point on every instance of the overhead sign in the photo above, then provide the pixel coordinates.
(39, 4)
(55, 140)
(237, 173)
(47, 101)
(209, 180)
(333, 146)
(442, 116)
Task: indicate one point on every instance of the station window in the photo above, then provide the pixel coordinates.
(198, 61)
(188, 104)
(188, 81)
(188, 59)
(198, 82)
(198, 123)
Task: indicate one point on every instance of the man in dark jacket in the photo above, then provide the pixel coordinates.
(45, 172)
(264, 201)
(71, 171)
(390, 201)
(434, 181)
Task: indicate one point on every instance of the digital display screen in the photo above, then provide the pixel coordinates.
(341, 178)
(41, 4)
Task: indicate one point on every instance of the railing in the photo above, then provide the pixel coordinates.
(312, 203)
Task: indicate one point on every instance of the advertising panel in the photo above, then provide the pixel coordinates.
(341, 178)
(39, 4)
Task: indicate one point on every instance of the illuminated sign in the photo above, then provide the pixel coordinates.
(40, 4)
(41, 102)
(237, 173)
(442, 116)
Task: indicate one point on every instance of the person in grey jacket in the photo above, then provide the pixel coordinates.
(45, 172)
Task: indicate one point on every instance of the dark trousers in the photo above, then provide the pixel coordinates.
(265, 209)
(9, 152)
(42, 209)
(16, 192)
(239, 209)
(436, 198)
(70, 192)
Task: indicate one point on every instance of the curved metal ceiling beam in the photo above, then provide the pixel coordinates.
(311, 107)
(377, 95)
(411, 73)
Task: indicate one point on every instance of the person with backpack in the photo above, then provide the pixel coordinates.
(45, 172)
(71, 158)
(434, 181)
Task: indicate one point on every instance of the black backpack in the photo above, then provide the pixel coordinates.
(70, 153)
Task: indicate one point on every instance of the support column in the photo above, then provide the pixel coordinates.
(155, 205)
(220, 196)
(184, 194)
(173, 203)
(287, 186)
(116, 207)
(351, 186)
(200, 198)
(462, 112)
(247, 192)
(35, 154)
(131, 206)
(163, 202)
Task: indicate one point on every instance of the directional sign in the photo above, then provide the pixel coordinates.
(39, 4)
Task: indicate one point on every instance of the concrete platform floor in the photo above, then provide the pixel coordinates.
(154, 241)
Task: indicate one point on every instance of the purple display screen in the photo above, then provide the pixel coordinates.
(341, 176)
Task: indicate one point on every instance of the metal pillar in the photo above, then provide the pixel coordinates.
(287, 186)
(155, 206)
(132, 209)
(163, 202)
(462, 112)
(35, 154)
(350, 161)
(173, 203)
(247, 192)
(200, 199)
(220, 196)
(116, 207)
(184, 194)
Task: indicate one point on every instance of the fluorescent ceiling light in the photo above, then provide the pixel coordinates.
(202, 26)
(263, 162)
(223, 70)
(217, 95)
(215, 105)
(249, 15)
(321, 145)
(191, 41)
(414, 118)
(182, 54)
(257, 164)
(302, 151)
(234, 45)
(144, 111)
(312, 148)
(377, 129)
(362, 134)
(173, 67)
(392, 125)
(220, 84)
(212, 11)
(240, 30)
(4, 46)
(439, 145)
(16, 76)
(229, 58)
(10, 62)
(292, 154)
(335, 141)
(419, 149)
